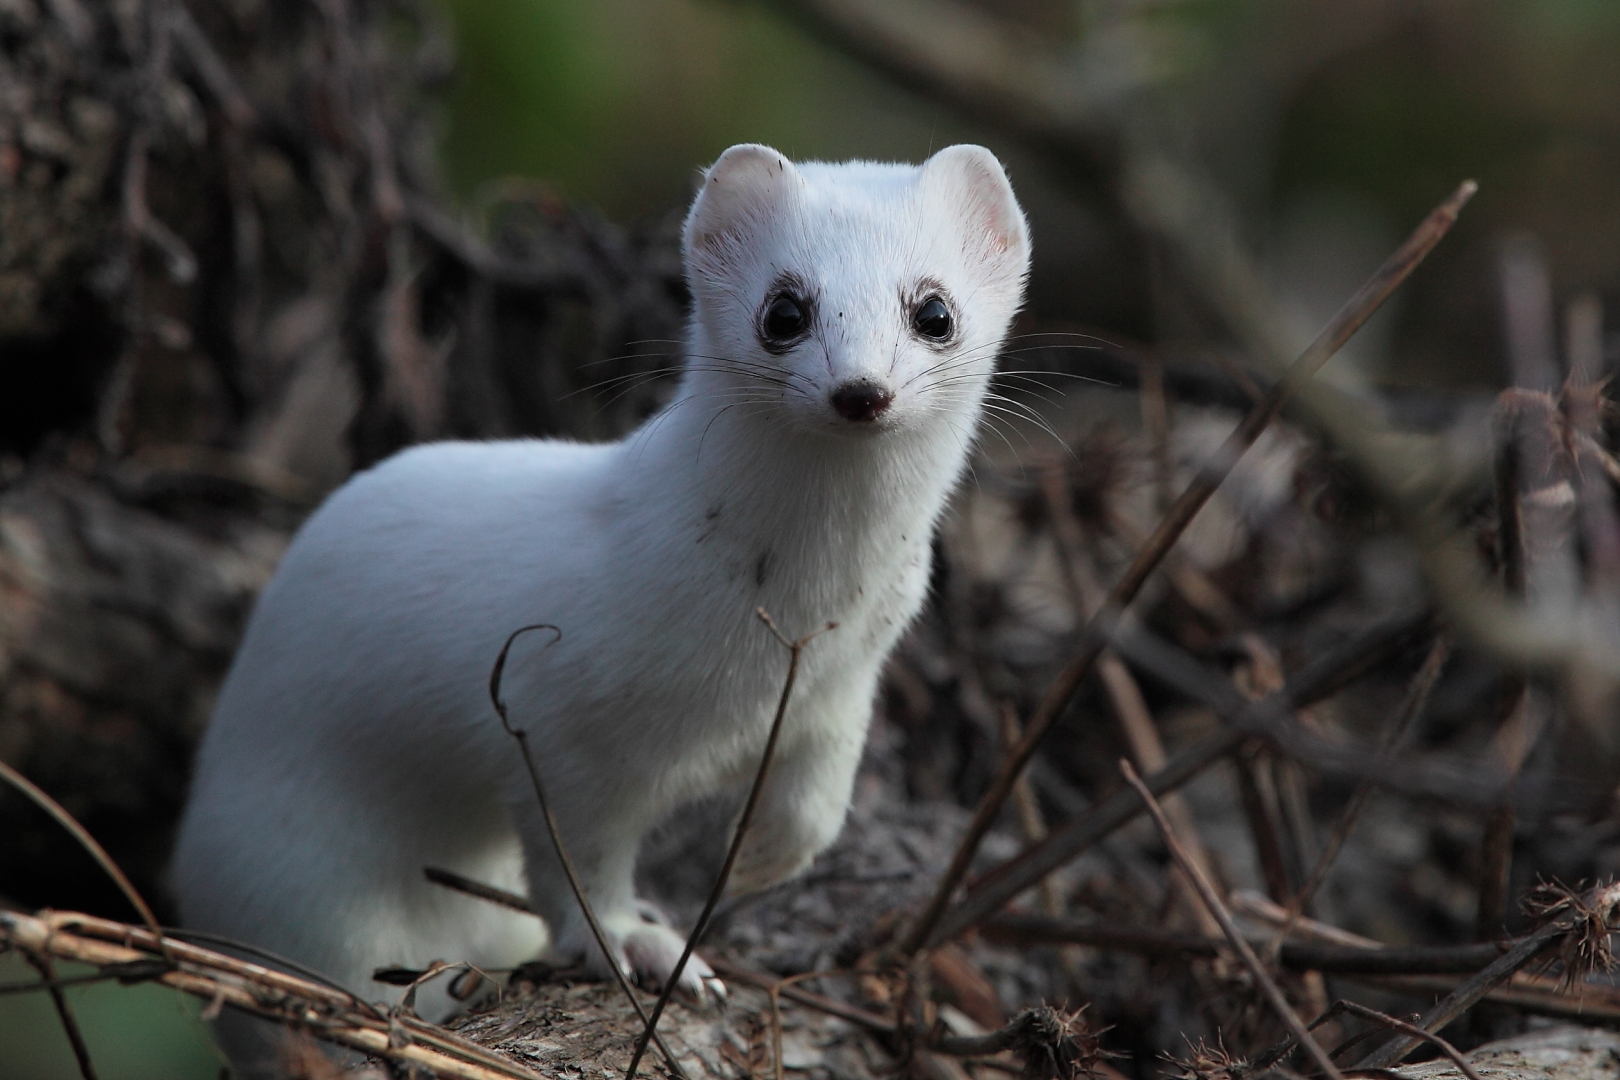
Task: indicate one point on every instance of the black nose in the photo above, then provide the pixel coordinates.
(861, 402)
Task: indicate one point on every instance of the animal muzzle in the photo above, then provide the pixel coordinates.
(861, 402)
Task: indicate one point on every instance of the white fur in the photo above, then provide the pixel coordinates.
(354, 742)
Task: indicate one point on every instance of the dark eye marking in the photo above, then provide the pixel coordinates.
(787, 314)
(785, 319)
(932, 319)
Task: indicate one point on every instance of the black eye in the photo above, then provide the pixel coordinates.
(784, 320)
(933, 319)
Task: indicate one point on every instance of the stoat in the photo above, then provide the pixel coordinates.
(845, 323)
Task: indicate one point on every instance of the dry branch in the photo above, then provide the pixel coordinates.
(1417, 696)
(85, 840)
(1206, 891)
(64, 1012)
(795, 649)
(1267, 718)
(521, 737)
(1350, 318)
(1586, 916)
(330, 1015)
(1321, 678)
(1300, 956)
(1382, 1020)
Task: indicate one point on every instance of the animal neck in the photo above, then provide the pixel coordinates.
(825, 508)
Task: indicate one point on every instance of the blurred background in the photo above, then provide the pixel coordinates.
(249, 246)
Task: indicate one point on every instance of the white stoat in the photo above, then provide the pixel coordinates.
(846, 319)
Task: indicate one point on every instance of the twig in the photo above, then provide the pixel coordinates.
(1591, 1003)
(138, 217)
(88, 842)
(1053, 1043)
(1417, 696)
(211, 68)
(1583, 400)
(1272, 790)
(1531, 993)
(567, 861)
(293, 967)
(1028, 805)
(1416, 969)
(1374, 1015)
(1527, 457)
(1497, 845)
(1600, 901)
(1324, 676)
(795, 648)
(1296, 955)
(64, 1012)
(453, 880)
(1124, 695)
(1263, 822)
(331, 1015)
(1275, 1054)
(1257, 971)
(1156, 426)
(1469, 784)
(139, 971)
(1360, 307)
(832, 1007)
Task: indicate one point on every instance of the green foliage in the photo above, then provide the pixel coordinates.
(616, 102)
(133, 1032)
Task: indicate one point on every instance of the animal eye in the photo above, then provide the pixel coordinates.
(784, 319)
(933, 319)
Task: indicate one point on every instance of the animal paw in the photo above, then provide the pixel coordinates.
(646, 949)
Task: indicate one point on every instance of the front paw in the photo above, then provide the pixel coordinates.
(646, 950)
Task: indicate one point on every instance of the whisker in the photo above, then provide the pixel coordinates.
(1008, 407)
(994, 413)
(1065, 334)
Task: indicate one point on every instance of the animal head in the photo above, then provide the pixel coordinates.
(853, 298)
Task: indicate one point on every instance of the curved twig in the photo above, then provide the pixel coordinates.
(567, 861)
(795, 648)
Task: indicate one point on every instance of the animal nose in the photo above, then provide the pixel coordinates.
(861, 402)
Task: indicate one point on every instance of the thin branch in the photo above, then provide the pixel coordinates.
(1577, 640)
(1471, 783)
(1129, 706)
(1321, 678)
(1350, 318)
(1270, 1057)
(1598, 902)
(1531, 993)
(211, 68)
(451, 879)
(64, 1012)
(1591, 1003)
(1583, 401)
(1053, 1043)
(1417, 697)
(331, 1015)
(1403, 1026)
(831, 1006)
(86, 841)
(1206, 891)
(1295, 955)
(795, 648)
(1264, 821)
(522, 738)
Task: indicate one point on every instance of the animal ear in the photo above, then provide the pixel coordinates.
(746, 181)
(974, 181)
